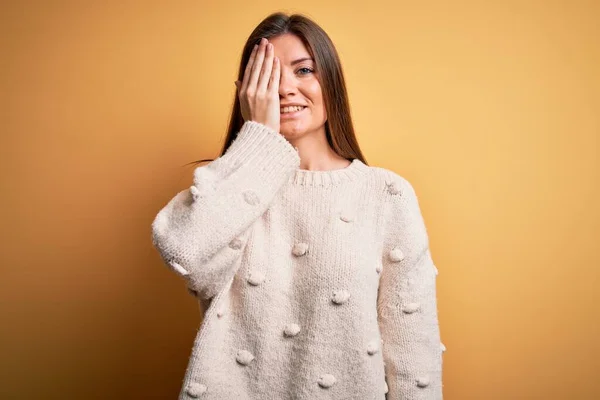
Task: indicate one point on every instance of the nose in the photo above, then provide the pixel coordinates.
(288, 84)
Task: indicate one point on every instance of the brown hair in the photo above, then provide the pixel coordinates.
(338, 127)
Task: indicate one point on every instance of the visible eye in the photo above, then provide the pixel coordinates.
(307, 70)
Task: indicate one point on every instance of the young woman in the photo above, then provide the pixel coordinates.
(316, 266)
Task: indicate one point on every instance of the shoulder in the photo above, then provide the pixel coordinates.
(394, 185)
(402, 213)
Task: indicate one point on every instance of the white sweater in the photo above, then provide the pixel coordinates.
(321, 283)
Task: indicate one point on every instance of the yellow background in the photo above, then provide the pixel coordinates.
(491, 110)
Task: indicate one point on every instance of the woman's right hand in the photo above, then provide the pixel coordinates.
(259, 90)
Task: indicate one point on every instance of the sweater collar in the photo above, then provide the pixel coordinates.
(330, 177)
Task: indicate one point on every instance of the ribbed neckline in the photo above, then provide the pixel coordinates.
(306, 177)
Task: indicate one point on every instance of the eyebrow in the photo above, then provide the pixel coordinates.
(302, 59)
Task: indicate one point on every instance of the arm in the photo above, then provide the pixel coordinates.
(201, 232)
(407, 304)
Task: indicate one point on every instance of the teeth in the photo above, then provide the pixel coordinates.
(291, 109)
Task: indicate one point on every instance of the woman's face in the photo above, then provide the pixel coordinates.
(298, 84)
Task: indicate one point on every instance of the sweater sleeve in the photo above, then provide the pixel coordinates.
(407, 304)
(201, 232)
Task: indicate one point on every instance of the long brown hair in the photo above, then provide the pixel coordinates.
(338, 127)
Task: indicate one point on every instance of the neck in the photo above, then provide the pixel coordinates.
(315, 152)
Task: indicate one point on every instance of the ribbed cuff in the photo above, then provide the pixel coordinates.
(265, 150)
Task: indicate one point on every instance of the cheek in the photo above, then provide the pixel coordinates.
(314, 93)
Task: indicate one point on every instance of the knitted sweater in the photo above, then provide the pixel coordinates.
(320, 284)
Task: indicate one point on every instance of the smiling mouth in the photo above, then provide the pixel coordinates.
(291, 110)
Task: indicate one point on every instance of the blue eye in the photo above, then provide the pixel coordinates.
(306, 69)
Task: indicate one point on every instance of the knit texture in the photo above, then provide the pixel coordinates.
(320, 284)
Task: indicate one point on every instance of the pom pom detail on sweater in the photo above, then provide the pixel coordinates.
(393, 188)
(235, 244)
(423, 382)
(300, 249)
(251, 197)
(255, 278)
(195, 192)
(411, 308)
(291, 330)
(178, 268)
(340, 296)
(244, 357)
(385, 387)
(204, 182)
(196, 389)
(372, 347)
(347, 217)
(396, 254)
(442, 347)
(326, 380)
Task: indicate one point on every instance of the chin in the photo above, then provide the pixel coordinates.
(290, 130)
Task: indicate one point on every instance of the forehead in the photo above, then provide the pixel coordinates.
(289, 47)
